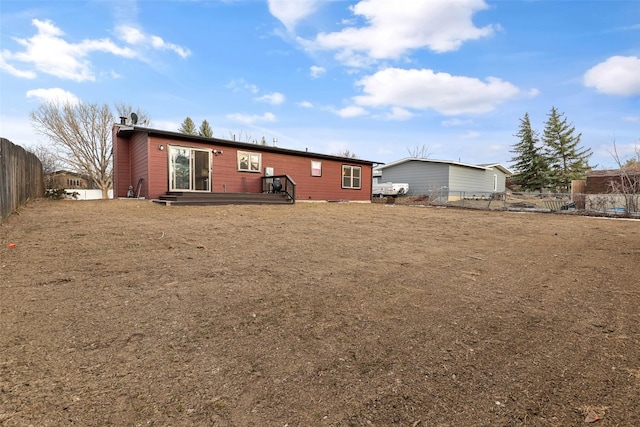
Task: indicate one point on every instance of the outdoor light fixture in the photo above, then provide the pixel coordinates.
(160, 147)
(216, 152)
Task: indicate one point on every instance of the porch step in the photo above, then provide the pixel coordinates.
(205, 199)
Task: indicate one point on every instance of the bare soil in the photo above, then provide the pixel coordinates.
(127, 313)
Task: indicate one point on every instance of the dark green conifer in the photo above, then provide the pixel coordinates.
(529, 161)
(568, 160)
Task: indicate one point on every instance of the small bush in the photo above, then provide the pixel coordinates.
(60, 193)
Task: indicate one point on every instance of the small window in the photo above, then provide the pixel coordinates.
(316, 168)
(495, 182)
(249, 162)
(351, 177)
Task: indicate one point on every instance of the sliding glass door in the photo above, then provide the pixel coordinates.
(189, 169)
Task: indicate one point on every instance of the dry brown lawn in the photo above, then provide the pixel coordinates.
(126, 313)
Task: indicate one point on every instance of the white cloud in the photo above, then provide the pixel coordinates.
(398, 113)
(239, 85)
(316, 71)
(55, 95)
(351, 111)
(134, 36)
(275, 98)
(471, 134)
(24, 74)
(251, 119)
(48, 52)
(455, 122)
(425, 89)
(291, 12)
(632, 119)
(159, 43)
(396, 27)
(624, 151)
(618, 75)
(305, 104)
(130, 34)
(19, 130)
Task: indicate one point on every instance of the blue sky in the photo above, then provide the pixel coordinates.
(376, 77)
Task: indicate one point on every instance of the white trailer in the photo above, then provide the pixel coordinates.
(392, 189)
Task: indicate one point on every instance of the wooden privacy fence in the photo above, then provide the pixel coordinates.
(578, 190)
(20, 177)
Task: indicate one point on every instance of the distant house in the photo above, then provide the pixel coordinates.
(613, 190)
(607, 180)
(154, 162)
(68, 180)
(426, 176)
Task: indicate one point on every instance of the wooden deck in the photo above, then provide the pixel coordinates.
(205, 199)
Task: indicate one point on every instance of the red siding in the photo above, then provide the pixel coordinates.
(139, 163)
(151, 164)
(157, 181)
(121, 165)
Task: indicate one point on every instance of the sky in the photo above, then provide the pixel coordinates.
(382, 79)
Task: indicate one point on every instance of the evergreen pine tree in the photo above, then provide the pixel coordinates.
(205, 130)
(188, 127)
(529, 159)
(568, 161)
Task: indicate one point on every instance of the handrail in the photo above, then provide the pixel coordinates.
(287, 186)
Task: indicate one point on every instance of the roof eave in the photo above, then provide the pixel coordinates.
(129, 130)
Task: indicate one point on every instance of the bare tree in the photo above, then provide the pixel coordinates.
(346, 153)
(241, 137)
(50, 164)
(420, 152)
(82, 135)
(627, 183)
(49, 159)
(634, 161)
(125, 110)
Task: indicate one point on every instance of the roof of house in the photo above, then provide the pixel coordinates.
(612, 172)
(127, 131)
(488, 166)
(66, 172)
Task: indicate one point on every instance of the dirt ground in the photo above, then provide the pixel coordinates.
(127, 313)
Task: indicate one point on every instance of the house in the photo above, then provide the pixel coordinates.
(611, 181)
(455, 179)
(151, 163)
(613, 190)
(68, 180)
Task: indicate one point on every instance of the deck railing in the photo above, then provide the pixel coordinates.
(280, 184)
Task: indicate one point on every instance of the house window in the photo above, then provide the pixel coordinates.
(351, 176)
(249, 162)
(316, 168)
(495, 182)
(73, 183)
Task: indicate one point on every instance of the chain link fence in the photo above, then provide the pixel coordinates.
(601, 204)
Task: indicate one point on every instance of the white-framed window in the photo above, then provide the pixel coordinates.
(351, 177)
(495, 182)
(316, 168)
(249, 162)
